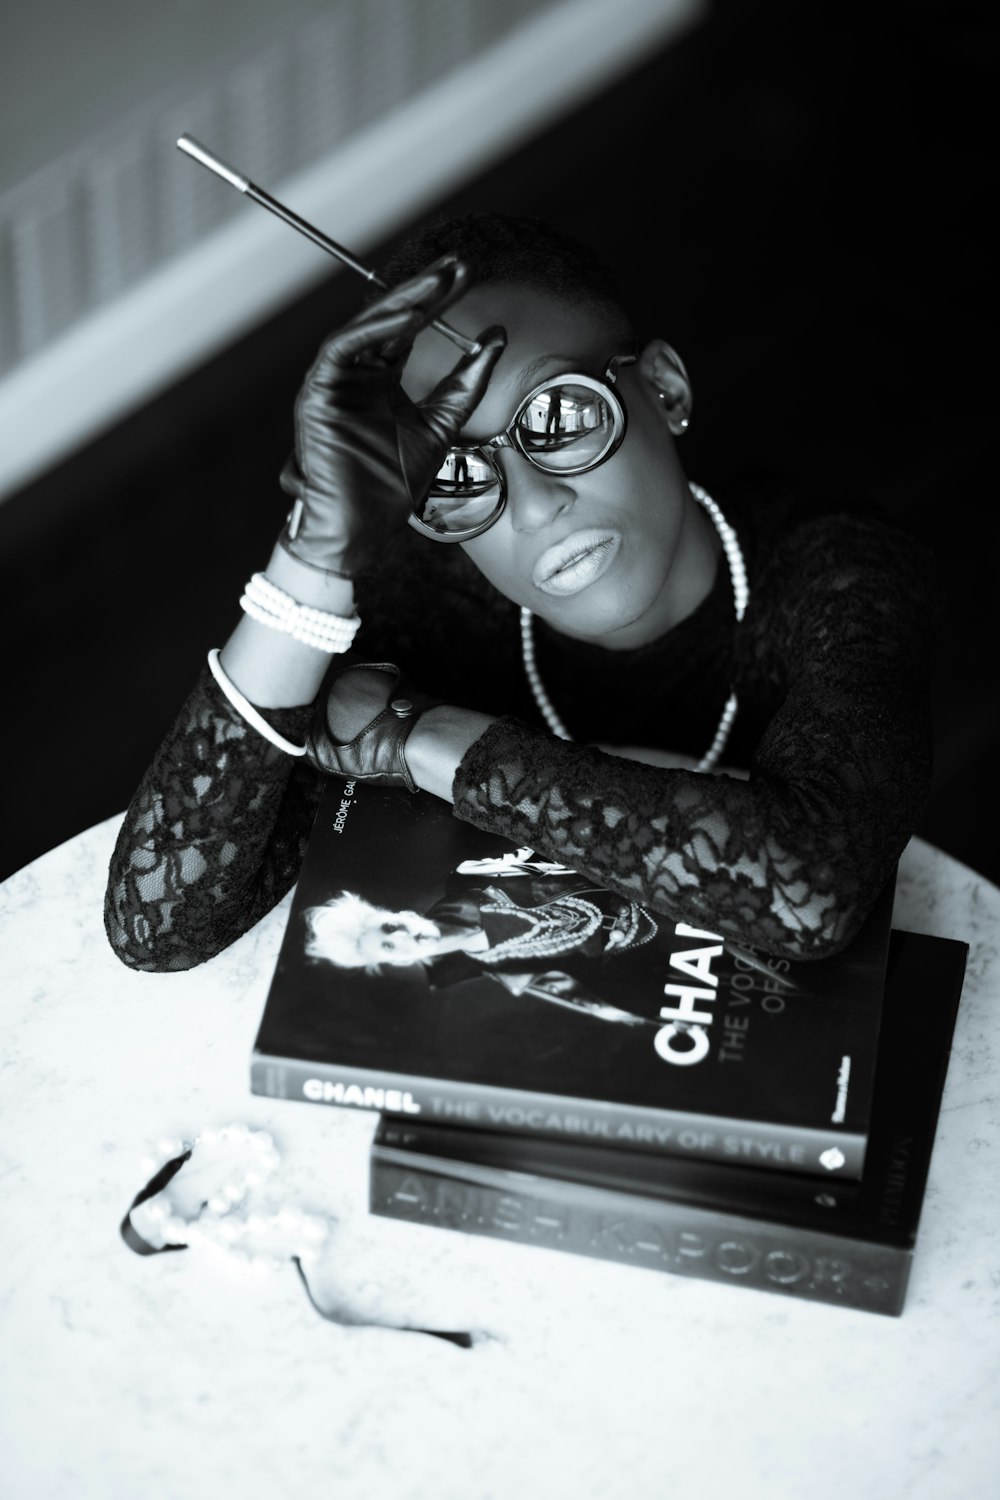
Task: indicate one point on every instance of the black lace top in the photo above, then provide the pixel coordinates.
(831, 665)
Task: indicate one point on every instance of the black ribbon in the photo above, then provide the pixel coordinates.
(463, 1340)
(156, 1184)
(140, 1246)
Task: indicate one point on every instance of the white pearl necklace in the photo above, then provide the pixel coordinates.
(256, 1240)
(259, 1239)
(741, 595)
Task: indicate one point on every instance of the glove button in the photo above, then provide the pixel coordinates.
(402, 707)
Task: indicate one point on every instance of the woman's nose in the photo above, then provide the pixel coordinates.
(534, 499)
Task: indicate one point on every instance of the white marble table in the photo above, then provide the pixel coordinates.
(177, 1377)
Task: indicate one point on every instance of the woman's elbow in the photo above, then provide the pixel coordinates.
(139, 945)
(831, 930)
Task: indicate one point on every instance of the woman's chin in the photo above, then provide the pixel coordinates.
(610, 614)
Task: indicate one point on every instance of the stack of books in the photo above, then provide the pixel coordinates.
(555, 1064)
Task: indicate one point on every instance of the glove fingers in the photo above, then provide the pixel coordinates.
(453, 400)
(363, 341)
(290, 479)
(383, 332)
(434, 288)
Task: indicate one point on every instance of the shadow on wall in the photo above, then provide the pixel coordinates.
(779, 201)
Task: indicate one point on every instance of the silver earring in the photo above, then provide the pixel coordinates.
(683, 423)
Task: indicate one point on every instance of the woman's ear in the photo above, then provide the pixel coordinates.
(665, 373)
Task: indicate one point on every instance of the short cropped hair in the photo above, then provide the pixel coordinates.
(502, 249)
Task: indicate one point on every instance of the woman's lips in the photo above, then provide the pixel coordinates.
(575, 562)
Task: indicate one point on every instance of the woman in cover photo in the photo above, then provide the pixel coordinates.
(508, 919)
(498, 585)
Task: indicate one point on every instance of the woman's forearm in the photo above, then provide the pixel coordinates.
(438, 744)
(213, 837)
(267, 666)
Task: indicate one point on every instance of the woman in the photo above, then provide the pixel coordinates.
(575, 637)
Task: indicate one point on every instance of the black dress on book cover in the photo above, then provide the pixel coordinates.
(429, 968)
(849, 1243)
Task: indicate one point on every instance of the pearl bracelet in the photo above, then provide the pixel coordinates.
(269, 605)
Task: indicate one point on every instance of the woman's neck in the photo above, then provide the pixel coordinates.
(689, 582)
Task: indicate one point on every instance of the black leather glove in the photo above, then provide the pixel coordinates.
(364, 452)
(376, 753)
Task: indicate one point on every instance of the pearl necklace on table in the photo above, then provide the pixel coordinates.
(258, 1239)
(253, 1239)
(741, 595)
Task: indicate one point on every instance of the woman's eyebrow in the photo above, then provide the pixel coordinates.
(528, 379)
(535, 366)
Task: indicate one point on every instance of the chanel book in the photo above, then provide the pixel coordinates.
(435, 972)
(848, 1243)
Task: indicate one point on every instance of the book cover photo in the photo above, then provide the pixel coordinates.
(429, 968)
(838, 1241)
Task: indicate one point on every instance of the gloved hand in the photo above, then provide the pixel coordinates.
(364, 452)
(376, 752)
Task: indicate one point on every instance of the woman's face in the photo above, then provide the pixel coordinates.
(605, 555)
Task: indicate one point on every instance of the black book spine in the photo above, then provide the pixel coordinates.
(671, 1132)
(678, 1238)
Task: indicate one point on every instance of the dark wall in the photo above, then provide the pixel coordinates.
(796, 196)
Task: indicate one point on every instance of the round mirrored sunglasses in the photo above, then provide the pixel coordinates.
(567, 425)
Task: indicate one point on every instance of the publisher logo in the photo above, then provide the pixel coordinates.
(832, 1158)
(843, 1082)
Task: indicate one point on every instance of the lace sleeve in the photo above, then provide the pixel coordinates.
(791, 859)
(212, 839)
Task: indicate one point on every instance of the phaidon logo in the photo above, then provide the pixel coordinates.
(321, 1091)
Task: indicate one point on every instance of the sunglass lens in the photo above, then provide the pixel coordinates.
(566, 427)
(465, 494)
